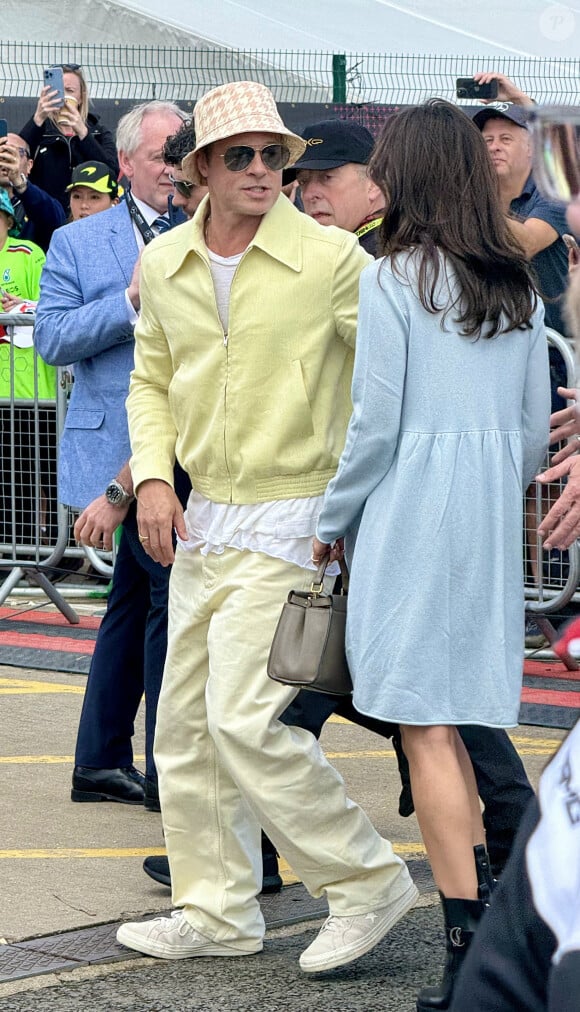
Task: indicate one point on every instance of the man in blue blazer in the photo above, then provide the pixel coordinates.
(88, 306)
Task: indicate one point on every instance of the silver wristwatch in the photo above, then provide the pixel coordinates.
(117, 495)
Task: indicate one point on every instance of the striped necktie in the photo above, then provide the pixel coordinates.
(161, 224)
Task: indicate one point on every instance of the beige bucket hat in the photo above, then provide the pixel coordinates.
(237, 108)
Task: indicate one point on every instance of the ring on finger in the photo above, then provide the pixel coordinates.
(143, 537)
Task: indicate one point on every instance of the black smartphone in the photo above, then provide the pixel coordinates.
(54, 79)
(466, 87)
(3, 127)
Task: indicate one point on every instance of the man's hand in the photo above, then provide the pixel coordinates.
(10, 302)
(507, 90)
(561, 526)
(10, 163)
(133, 289)
(48, 104)
(98, 522)
(158, 512)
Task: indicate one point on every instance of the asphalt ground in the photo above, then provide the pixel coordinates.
(66, 866)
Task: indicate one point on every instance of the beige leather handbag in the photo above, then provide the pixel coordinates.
(308, 645)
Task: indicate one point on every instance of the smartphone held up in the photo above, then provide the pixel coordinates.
(469, 88)
(54, 79)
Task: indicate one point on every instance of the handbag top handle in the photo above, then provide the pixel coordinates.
(317, 585)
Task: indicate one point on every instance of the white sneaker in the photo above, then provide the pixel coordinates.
(174, 938)
(343, 939)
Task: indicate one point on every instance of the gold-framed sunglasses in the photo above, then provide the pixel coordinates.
(556, 136)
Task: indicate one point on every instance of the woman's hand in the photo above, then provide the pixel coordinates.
(573, 259)
(70, 120)
(565, 424)
(48, 104)
(320, 549)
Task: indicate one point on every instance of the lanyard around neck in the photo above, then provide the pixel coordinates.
(136, 216)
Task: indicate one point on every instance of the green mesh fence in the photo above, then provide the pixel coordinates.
(139, 73)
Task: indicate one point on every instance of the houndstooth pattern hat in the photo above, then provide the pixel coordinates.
(237, 108)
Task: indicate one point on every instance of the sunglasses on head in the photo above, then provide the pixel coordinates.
(183, 186)
(240, 156)
(70, 66)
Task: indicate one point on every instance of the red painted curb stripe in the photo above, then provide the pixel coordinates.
(562, 676)
(51, 643)
(551, 697)
(50, 618)
(539, 669)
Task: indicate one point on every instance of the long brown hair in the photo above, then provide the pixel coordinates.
(442, 196)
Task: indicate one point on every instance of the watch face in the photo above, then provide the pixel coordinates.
(114, 494)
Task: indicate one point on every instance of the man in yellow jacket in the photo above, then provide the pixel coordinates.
(243, 362)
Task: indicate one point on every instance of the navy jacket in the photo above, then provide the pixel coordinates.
(38, 215)
(55, 155)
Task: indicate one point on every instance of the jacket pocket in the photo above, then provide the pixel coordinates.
(84, 418)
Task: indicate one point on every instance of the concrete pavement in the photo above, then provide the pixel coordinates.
(66, 866)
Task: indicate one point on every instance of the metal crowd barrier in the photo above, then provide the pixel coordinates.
(551, 577)
(35, 530)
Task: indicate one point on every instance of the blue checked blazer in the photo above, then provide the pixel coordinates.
(83, 319)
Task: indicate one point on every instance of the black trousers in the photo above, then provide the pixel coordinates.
(128, 659)
(129, 654)
(501, 778)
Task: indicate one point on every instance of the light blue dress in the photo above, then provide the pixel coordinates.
(445, 435)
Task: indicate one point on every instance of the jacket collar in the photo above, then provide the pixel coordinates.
(279, 236)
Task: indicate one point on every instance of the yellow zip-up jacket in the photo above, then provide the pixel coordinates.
(259, 413)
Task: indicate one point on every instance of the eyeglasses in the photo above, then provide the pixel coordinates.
(556, 133)
(183, 186)
(274, 157)
(23, 152)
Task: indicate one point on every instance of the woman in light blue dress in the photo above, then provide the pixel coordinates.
(451, 405)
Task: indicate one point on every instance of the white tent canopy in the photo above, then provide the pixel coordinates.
(479, 28)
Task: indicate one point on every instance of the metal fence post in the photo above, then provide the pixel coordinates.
(339, 78)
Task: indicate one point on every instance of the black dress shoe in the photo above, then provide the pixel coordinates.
(125, 785)
(158, 869)
(151, 798)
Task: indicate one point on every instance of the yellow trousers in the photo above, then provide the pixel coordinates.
(228, 766)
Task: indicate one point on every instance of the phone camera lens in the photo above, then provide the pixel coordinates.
(461, 93)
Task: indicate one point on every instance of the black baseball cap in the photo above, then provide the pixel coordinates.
(335, 142)
(502, 110)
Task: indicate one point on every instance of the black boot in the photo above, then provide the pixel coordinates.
(485, 880)
(271, 879)
(461, 920)
(406, 804)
